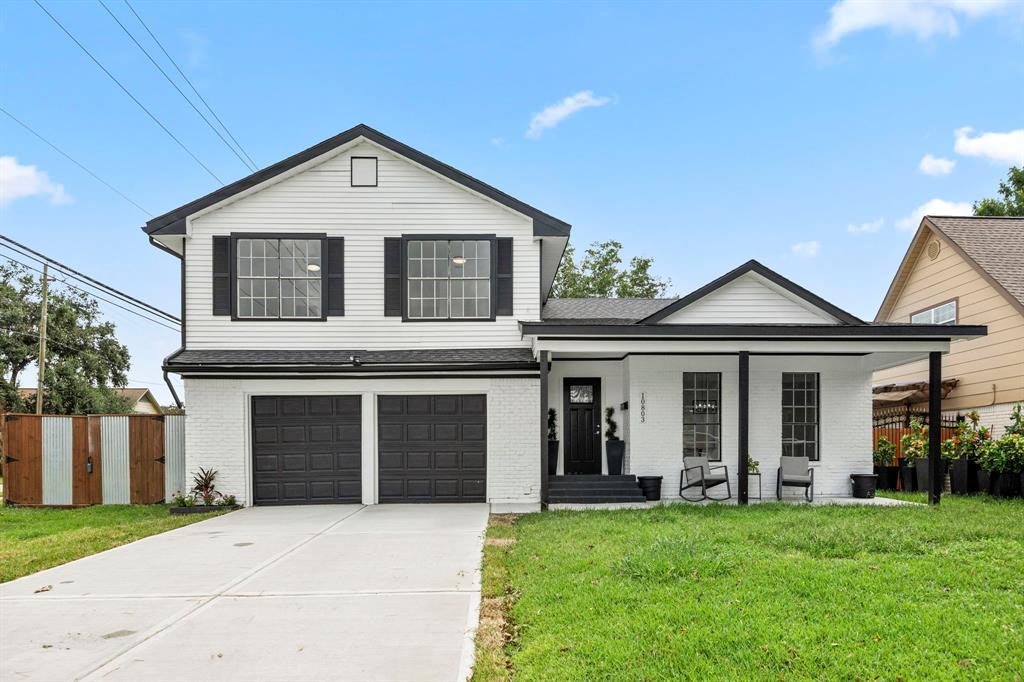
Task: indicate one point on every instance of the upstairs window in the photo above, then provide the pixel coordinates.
(279, 278)
(944, 313)
(448, 279)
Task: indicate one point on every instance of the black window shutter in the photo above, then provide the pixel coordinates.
(335, 276)
(392, 276)
(503, 265)
(222, 275)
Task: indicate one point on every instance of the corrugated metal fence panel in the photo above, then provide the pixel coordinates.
(174, 454)
(56, 460)
(114, 441)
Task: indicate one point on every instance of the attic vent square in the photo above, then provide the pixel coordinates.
(364, 171)
(934, 247)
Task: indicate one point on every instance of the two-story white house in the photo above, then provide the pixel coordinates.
(364, 323)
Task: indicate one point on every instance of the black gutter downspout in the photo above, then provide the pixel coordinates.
(174, 394)
(543, 357)
(935, 477)
(743, 417)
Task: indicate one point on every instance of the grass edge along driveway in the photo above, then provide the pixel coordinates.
(35, 538)
(766, 592)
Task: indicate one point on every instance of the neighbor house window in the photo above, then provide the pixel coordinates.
(800, 415)
(279, 278)
(702, 415)
(448, 279)
(940, 314)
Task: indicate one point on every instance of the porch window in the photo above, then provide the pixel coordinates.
(702, 416)
(449, 279)
(800, 415)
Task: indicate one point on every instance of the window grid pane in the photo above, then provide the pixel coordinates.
(800, 416)
(274, 278)
(702, 415)
(439, 288)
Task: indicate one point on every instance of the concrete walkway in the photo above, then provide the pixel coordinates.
(279, 593)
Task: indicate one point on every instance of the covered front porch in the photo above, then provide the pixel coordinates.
(735, 401)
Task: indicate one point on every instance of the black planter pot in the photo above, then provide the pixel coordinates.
(203, 509)
(1007, 484)
(552, 457)
(616, 453)
(887, 476)
(864, 485)
(908, 479)
(963, 477)
(651, 487)
(923, 470)
(985, 481)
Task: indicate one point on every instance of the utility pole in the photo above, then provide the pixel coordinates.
(42, 341)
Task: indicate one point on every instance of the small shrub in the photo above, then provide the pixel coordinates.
(204, 485)
(611, 433)
(915, 443)
(227, 501)
(552, 424)
(885, 452)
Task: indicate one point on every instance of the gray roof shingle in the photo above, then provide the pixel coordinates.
(996, 244)
(601, 310)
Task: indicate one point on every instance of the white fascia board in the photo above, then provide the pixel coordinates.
(728, 346)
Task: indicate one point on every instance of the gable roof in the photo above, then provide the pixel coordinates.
(759, 269)
(173, 222)
(992, 245)
(601, 310)
(133, 394)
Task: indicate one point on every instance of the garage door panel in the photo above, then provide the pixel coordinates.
(423, 454)
(306, 449)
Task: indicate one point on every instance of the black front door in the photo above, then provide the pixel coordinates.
(582, 411)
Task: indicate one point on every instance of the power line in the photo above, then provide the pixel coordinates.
(91, 294)
(85, 279)
(175, 85)
(69, 158)
(127, 92)
(182, 73)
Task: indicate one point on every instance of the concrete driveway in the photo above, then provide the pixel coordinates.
(388, 592)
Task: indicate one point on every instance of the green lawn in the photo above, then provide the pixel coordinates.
(32, 539)
(778, 592)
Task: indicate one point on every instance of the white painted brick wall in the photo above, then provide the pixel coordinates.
(656, 444)
(513, 441)
(217, 427)
(215, 433)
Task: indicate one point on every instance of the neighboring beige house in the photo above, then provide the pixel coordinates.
(143, 400)
(962, 270)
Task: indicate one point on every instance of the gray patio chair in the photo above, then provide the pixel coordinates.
(796, 472)
(698, 472)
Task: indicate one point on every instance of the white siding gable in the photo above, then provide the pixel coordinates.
(750, 298)
(409, 199)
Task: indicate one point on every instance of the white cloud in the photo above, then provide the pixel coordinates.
(865, 228)
(1007, 147)
(497, 141)
(936, 165)
(934, 207)
(556, 113)
(922, 18)
(18, 181)
(806, 249)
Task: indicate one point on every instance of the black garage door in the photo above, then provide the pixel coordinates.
(432, 448)
(306, 449)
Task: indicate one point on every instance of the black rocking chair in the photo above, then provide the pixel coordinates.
(698, 472)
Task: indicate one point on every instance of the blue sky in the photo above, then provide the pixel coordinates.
(700, 134)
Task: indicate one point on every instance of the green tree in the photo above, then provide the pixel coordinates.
(1012, 193)
(84, 359)
(600, 274)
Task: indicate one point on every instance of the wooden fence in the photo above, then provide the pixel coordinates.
(53, 460)
(895, 436)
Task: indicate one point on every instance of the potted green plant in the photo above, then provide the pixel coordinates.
(753, 466)
(615, 447)
(552, 441)
(962, 450)
(914, 473)
(1003, 459)
(883, 456)
(1016, 427)
(204, 496)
